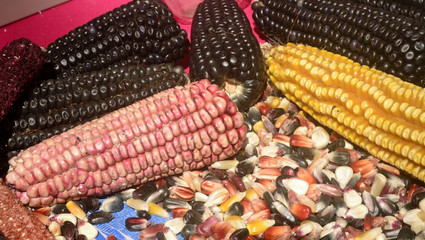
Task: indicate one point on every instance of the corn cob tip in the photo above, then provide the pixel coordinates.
(225, 51)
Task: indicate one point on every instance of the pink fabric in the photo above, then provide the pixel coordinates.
(46, 26)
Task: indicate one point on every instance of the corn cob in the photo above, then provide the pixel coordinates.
(371, 36)
(55, 106)
(139, 32)
(16, 221)
(225, 51)
(412, 10)
(20, 62)
(376, 111)
(173, 131)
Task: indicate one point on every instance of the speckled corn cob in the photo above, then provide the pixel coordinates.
(375, 110)
(56, 105)
(225, 51)
(141, 31)
(16, 221)
(20, 62)
(173, 131)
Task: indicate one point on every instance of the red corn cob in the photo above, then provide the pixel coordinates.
(20, 61)
(16, 221)
(131, 146)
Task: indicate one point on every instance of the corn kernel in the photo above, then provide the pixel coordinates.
(258, 227)
(259, 125)
(251, 194)
(154, 209)
(235, 198)
(76, 210)
(236, 222)
(273, 101)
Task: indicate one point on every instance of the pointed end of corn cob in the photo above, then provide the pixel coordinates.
(224, 50)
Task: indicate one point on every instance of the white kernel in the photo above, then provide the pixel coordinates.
(352, 198)
(343, 174)
(357, 212)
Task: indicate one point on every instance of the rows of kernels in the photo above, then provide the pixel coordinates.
(130, 146)
(370, 125)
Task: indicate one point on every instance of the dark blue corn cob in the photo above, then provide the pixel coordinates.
(225, 51)
(56, 105)
(140, 32)
(371, 36)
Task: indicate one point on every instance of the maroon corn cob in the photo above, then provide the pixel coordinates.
(16, 221)
(173, 131)
(20, 61)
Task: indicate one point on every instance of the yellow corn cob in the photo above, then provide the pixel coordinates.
(377, 111)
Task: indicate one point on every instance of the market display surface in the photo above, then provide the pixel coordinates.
(108, 138)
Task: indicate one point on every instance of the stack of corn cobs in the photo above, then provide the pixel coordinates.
(329, 148)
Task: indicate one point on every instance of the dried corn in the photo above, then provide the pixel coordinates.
(224, 50)
(20, 62)
(377, 111)
(139, 32)
(16, 221)
(171, 132)
(371, 36)
(56, 105)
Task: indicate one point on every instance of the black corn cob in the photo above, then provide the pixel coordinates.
(415, 3)
(57, 105)
(225, 51)
(20, 62)
(371, 36)
(139, 32)
(413, 10)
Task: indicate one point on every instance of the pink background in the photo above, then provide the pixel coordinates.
(46, 26)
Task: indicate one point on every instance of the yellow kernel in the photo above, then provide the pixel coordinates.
(387, 104)
(379, 122)
(403, 107)
(280, 120)
(76, 210)
(408, 94)
(408, 112)
(414, 135)
(235, 198)
(416, 154)
(397, 148)
(250, 194)
(156, 210)
(394, 108)
(258, 227)
(273, 102)
(415, 114)
(259, 125)
(386, 124)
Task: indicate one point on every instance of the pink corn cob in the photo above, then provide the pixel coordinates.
(179, 129)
